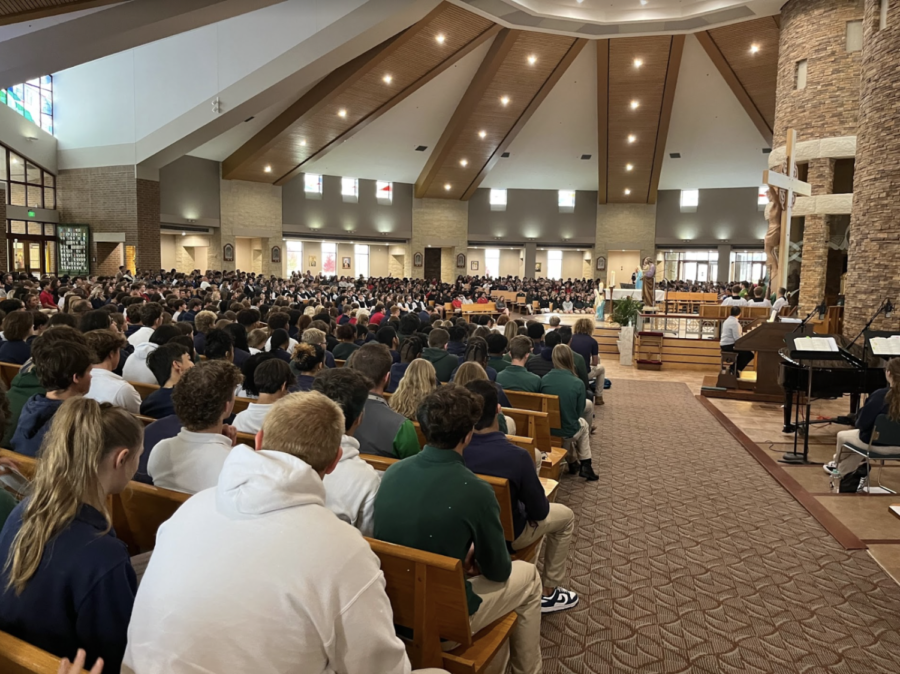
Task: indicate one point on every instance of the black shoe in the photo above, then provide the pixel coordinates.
(574, 467)
(788, 428)
(587, 472)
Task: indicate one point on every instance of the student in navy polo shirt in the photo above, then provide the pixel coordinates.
(66, 581)
(167, 363)
(17, 328)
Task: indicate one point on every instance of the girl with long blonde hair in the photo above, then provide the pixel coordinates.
(420, 380)
(67, 581)
(473, 371)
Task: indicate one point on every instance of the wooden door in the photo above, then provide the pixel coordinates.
(433, 263)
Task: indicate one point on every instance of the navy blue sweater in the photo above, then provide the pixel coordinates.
(81, 595)
(158, 404)
(875, 405)
(34, 422)
(15, 352)
(493, 454)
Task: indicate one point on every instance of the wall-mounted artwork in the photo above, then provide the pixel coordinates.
(276, 254)
(228, 253)
(601, 263)
(417, 260)
(345, 263)
(460, 261)
(312, 260)
(537, 267)
(474, 265)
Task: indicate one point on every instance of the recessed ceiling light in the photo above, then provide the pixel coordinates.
(754, 48)
(505, 100)
(387, 79)
(303, 143)
(447, 187)
(482, 134)
(463, 162)
(440, 38)
(638, 63)
(631, 138)
(342, 113)
(627, 191)
(634, 105)
(643, 2)
(532, 59)
(183, 234)
(268, 169)
(628, 167)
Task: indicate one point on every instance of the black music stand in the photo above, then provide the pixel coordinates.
(799, 348)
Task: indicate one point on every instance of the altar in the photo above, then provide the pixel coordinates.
(636, 294)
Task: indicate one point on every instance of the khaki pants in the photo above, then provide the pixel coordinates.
(557, 528)
(520, 593)
(579, 445)
(598, 373)
(588, 414)
(847, 461)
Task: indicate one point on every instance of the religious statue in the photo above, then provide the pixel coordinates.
(649, 277)
(773, 234)
(599, 302)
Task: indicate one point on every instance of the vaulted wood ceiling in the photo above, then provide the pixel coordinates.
(15, 11)
(746, 54)
(353, 96)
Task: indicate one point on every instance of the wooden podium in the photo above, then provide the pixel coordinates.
(766, 340)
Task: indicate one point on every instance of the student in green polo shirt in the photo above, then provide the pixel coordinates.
(562, 381)
(515, 377)
(436, 353)
(497, 344)
(432, 502)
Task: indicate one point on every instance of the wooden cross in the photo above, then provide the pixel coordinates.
(788, 187)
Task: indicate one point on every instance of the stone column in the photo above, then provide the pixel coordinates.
(530, 260)
(814, 268)
(723, 270)
(874, 253)
(626, 227)
(251, 210)
(444, 224)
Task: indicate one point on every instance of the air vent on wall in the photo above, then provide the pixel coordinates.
(675, 155)
(505, 155)
(767, 150)
(249, 119)
(421, 148)
(585, 156)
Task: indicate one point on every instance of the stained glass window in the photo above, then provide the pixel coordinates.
(384, 191)
(33, 100)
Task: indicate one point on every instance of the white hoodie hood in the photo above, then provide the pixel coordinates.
(254, 483)
(352, 488)
(135, 369)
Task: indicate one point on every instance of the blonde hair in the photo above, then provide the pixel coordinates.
(511, 330)
(563, 358)
(470, 371)
(83, 433)
(309, 311)
(257, 338)
(584, 326)
(362, 317)
(313, 336)
(420, 380)
(322, 422)
(204, 321)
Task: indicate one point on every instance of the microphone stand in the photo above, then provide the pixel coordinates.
(807, 319)
(867, 326)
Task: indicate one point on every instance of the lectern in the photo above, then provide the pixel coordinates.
(766, 340)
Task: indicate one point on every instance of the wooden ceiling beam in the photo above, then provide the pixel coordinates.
(477, 88)
(731, 79)
(665, 114)
(454, 58)
(9, 16)
(533, 105)
(602, 120)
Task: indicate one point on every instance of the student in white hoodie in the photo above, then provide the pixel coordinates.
(351, 489)
(228, 590)
(269, 382)
(151, 318)
(136, 369)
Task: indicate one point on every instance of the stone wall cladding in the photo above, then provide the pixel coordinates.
(815, 239)
(815, 30)
(874, 255)
(249, 209)
(3, 252)
(442, 223)
(624, 227)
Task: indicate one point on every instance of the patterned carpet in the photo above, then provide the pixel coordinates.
(689, 557)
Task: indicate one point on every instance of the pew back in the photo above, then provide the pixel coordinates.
(8, 372)
(19, 657)
(537, 402)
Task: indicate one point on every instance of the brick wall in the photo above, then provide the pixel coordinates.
(109, 257)
(249, 210)
(874, 253)
(624, 227)
(3, 251)
(147, 253)
(815, 30)
(442, 223)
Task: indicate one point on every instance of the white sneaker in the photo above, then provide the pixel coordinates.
(830, 468)
(560, 600)
(863, 486)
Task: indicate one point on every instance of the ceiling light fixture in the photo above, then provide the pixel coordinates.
(627, 191)
(505, 100)
(638, 63)
(440, 38)
(482, 134)
(387, 79)
(532, 59)
(303, 143)
(447, 187)
(631, 138)
(643, 2)
(754, 48)
(268, 169)
(628, 167)
(463, 162)
(634, 105)
(342, 113)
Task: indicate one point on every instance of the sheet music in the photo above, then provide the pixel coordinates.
(886, 346)
(826, 344)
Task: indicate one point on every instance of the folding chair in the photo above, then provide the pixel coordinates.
(884, 446)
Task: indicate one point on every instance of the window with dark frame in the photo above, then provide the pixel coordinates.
(25, 183)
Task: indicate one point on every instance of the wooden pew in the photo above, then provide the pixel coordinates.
(533, 425)
(469, 310)
(428, 595)
(144, 390)
(8, 372)
(537, 402)
(19, 657)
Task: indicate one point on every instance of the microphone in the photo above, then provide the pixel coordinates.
(821, 309)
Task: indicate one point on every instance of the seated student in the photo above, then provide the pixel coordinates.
(388, 336)
(536, 334)
(515, 377)
(66, 582)
(279, 320)
(271, 381)
(456, 345)
(562, 381)
(219, 345)
(351, 489)
(193, 307)
(256, 340)
(490, 453)
(436, 353)
(191, 461)
(168, 363)
(63, 369)
(584, 344)
(203, 323)
(469, 372)
(417, 384)
(106, 385)
(317, 336)
(731, 332)
(278, 344)
(759, 298)
(308, 361)
(411, 349)
(735, 300)
(477, 352)
(553, 323)
(542, 363)
(382, 432)
(780, 302)
(18, 327)
(239, 339)
(151, 318)
(884, 401)
(434, 492)
(346, 334)
(496, 344)
(326, 609)
(136, 369)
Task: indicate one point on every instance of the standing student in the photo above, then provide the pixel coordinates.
(271, 381)
(192, 460)
(780, 302)
(66, 581)
(168, 364)
(106, 385)
(351, 488)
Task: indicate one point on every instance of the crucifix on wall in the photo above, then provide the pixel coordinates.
(783, 190)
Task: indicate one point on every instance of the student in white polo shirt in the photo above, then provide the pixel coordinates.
(191, 461)
(106, 385)
(271, 381)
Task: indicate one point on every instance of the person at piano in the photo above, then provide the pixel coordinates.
(759, 298)
(883, 401)
(780, 302)
(735, 300)
(731, 332)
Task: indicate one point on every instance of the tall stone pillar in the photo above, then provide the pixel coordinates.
(249, 210)
(874, 253)
(823, 112)
(625, 227)
(444, 224)
(530, 260)
(723, 271)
